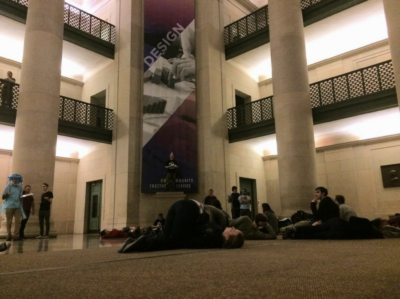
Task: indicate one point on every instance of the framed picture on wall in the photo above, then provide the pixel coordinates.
(390, 175)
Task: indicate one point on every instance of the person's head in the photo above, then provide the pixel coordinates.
(340, 199)
(244, 191)
(45, 186)
(233, 238)
(171, 156)
(267, 208)
(260, 219)
(234, 189)
(104, 232)
(9, 74)
(320, 192)
(27, 188)
(211, 192)
(160, 216)
(15, 181)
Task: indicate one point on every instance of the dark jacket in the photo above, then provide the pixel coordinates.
(327, 209)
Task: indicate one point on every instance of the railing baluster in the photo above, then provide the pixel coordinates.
(348, 87)
(333, 91)
(379, 78)
(87, 114)
(363, 82)
(69, 14)
(319, 94)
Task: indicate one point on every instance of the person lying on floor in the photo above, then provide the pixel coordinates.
(189, 224)
(259, 229)
(390, 228)
(336, 229)
(134, 232)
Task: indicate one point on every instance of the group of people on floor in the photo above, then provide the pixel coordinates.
(191, 224)
(18, 204)
(333, 219)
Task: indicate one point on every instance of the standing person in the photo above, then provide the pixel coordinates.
(28, 206)
(7, 91)
(245, 201)
(233, 199)
(171, 167)
(44, 211)
(12, 205)
(210, 198)
(272, 219)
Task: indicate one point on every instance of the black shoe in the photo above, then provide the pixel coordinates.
(289, 233)
(135, 246)
(127, 242)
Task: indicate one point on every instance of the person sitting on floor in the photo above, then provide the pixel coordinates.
(259, 229)
(327, 208)
(272, 219)
(336, 229)
(189, 224)
(345, 211)
(160, 221)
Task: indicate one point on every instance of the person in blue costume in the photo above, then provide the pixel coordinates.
(12, 205)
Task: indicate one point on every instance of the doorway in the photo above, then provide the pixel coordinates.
(93, 207)
(97, 115)
(251, 187)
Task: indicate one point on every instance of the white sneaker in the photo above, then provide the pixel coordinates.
(39, 237)
(45, 237)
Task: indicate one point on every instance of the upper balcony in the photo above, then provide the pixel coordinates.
(80, 28)
(252, 31)
(76, 118)
(362, 91)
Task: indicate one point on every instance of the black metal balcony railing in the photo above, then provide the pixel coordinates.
(85, 22)
(362, 82)
(246, 25)
(254, 22)
(252, 31)
(70, 110)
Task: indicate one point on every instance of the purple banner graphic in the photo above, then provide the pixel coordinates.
(169, 153)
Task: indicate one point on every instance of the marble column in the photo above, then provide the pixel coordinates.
(124, 207)
(36, 125)
(392, 12)
(293, 117)
(211, 120)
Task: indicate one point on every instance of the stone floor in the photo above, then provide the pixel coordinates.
(62, 242)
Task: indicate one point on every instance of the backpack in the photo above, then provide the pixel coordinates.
(300, 216)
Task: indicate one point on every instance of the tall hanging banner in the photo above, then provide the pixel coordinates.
(169, 102)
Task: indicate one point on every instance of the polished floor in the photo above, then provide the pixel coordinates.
(62, 242)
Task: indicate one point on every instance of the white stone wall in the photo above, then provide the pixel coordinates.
(69, 88)
(338, 65)
(94, 167)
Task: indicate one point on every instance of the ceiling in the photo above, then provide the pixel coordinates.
(259, 3)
